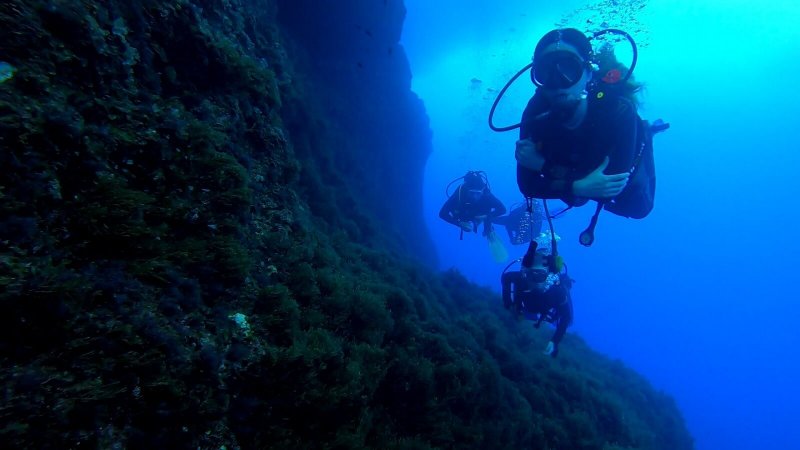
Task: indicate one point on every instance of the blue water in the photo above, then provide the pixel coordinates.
(700, 296)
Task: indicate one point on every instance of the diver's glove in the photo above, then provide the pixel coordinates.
(550, 349)
(466, 226)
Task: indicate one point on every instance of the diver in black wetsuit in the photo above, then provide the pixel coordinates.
(539, 293)
(581, 137)
(472, 203)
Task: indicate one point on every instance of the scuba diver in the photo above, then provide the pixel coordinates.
(581, 137)
(471, 204)
(540, 291)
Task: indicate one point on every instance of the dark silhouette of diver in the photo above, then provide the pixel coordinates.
(471, 204)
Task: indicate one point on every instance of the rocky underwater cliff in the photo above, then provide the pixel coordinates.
(210, 237)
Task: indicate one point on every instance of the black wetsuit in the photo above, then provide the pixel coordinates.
(611, 128)
(458, 208)
(518, 293)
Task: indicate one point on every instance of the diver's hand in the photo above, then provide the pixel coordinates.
(599, 185)
(466, 226)
(549, 349)
(527, 156)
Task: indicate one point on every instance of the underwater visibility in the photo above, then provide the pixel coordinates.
(653, 237)
(394, 224)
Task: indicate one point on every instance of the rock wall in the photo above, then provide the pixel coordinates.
(356, 69)
(207, 241)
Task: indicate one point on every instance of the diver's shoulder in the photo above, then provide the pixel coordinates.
(614, 104)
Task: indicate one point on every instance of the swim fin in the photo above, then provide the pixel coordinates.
(499, 252)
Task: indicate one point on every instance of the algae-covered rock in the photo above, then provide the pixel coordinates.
(193, 253)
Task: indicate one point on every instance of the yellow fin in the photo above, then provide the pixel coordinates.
(499, 252)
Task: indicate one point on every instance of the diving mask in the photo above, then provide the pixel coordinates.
(558, 69)
(473, 195)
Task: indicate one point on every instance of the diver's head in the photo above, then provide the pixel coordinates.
(538, 273)
(474, 186)
(474, 180)
(562, 67)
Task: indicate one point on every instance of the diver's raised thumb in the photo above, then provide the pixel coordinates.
(602, 166)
